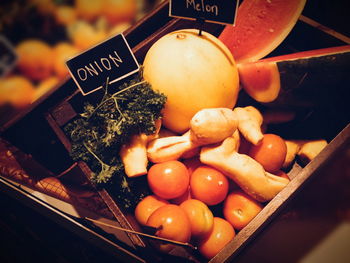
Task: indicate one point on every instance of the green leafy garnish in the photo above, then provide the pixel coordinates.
(100, 130)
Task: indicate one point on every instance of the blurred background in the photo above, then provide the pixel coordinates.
(45, 33)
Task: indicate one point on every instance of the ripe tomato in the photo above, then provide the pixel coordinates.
(270, 153)
(147, 206)
(191, 165)
(201, 218)
(174, 222)
(221, 234)
(168, 179)
(239, 209)
(208, 185)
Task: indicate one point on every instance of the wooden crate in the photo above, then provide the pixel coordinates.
(60, 109)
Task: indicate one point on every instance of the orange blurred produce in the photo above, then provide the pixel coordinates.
(174, 222)
(239, 209)
(208, 185)
(120, 11)
(147, 206)
(84, 35)
(35, 59)
(89, 10)
(201, 217)
(270, 152)
(65, 15)
(16, 90)
(63, 51)
(221, 234)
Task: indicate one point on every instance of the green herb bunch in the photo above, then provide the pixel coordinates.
(100, 130)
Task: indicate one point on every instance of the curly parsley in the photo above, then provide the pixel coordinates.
(100, 130)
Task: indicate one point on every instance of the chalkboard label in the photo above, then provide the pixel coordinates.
(216, 11)
(8, 56)
(111, 59)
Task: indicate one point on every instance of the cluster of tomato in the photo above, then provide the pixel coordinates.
(186, 193)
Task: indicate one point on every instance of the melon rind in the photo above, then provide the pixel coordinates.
(302, 72)
(261, 26)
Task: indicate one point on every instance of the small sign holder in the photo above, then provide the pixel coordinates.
(214, 11)
(111, 59)
(200, 22)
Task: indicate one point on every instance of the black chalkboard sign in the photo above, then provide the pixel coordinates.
(216, 11)
(111, 59)
(8, 56)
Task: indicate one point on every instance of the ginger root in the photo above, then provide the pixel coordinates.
(134, 153)
(306, 150)
(249, 123)
(207, 126)
(244, 170)
(310, 149)
(293, 148)
(213, 125)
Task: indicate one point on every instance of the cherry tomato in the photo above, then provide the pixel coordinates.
(147, 206)
(191, 165)
(208, 185)
(239, 209)
(270, 152)
(221, 234)
(201, 217)
(174, 222)
(168, 179)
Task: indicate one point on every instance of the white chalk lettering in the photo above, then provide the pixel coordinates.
(202, 7)
(116, 59)
(105, 60)
(99, 65)
(83, 78)
(91, 70)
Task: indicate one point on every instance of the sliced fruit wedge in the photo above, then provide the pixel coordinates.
(265, 79)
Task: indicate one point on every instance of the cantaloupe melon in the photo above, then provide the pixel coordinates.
(194, 72)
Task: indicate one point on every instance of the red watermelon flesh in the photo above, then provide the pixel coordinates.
(263, 79)
(261, 25)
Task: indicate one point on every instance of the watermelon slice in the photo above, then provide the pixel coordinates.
(261, 25)
(289, 75)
